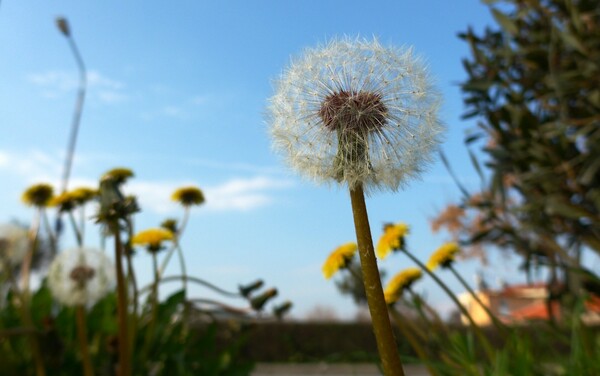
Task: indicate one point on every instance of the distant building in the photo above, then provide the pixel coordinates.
(519, 303)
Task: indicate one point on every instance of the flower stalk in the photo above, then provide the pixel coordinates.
(386, 343)
(484, 341)
(124, 356)
(497, 323)
(88, 370)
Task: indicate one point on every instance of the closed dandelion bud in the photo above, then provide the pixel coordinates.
(247, 290)
(282, 309)
(259, 301)
(63, 26)
(80, 277)
(113, 204)
(170, 224)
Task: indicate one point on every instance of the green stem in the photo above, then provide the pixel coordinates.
(439, 325)
(499, 325)
(176, 246)
(386, 344)
(154, 303)
(51, 236)
(199, 281)
(486, 345)
(414, 342)
(88, 370)
(124, 356)
(78, 234)
(27, 260)
(30, 329)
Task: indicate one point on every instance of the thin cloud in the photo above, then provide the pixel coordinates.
(56, 84)
(242, 194)
(238, 194)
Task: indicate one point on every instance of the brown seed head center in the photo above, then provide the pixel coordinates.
(82, 274)
(353, 111)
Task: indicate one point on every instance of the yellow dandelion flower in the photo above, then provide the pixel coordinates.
(38, 195)
(392, 239)
(338, 259)
(64, 202)
(152, 238)
(400, 282)
(84, 194)
(188, 196)
(443, 256)
(119, 175)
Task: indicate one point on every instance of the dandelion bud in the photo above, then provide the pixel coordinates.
(282, 309)
(259, 301)
(247, 290)
(63, 26)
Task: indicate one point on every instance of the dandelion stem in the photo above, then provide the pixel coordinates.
(83, 342)
(405, 329)
(26, 265)
(499, 325)
(78, 234)
(30, 329)
(124, 357)
(386, 343)
(199, 281)
(485, 343)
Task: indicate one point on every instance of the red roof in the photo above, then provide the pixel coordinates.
(538, 310)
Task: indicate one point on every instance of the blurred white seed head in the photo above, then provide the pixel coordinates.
(356, 112)
(14, 243)
(81, 276)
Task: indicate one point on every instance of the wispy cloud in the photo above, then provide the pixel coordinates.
(56, 84)
(183, 109)
(241, 194)
(238, 194)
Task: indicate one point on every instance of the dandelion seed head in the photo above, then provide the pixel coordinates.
(14, 243)
(355, 112)
(80, 276)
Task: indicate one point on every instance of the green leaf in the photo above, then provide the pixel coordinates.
(572, 41)
(505, 21)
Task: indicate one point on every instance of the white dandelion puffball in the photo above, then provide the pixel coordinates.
(14, 243)
(356, 112)
(81, 276)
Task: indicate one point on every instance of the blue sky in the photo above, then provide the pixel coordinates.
(177, 92)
